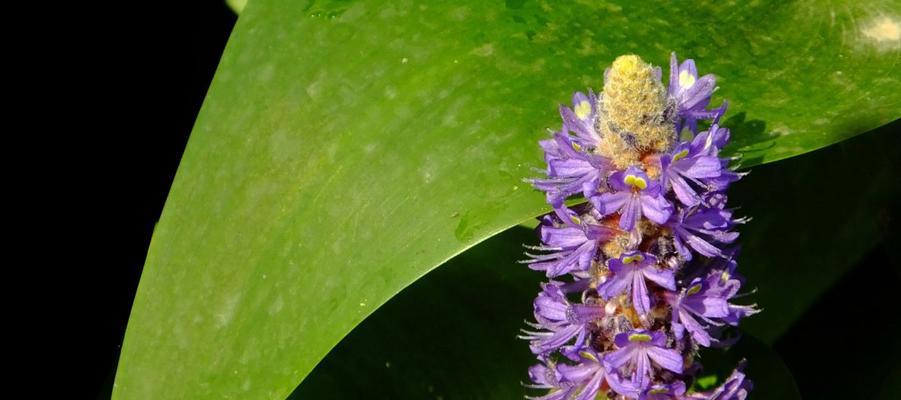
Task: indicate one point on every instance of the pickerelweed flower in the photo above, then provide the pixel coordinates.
(572, 243)
(558, 321)
(629, 275)
(642, 272)
(633, 194)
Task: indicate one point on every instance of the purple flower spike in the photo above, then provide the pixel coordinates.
(634, 195)
(652, 190)
(691, 94)
(572, 241)
(629, 275)
(560, 321)
(635, 352)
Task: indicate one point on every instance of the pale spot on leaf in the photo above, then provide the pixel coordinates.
(485, 50)
(883, 32)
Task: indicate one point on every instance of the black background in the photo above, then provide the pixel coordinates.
(160, 77)
(159, 61)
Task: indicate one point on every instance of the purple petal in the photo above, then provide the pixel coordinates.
(689, 66)
(642, 369)
(666, 358)
(556, 339)
(673, 74)
(698, 331)
(616, 181)
(658, 338)
(600, 232)
(701, 167)
(625, 388)
(681, 248)
(640, 299)
(708, 306)
(699, 92)
(578, 373)
(585, 313)
(543, 376)
(616, 285)
(631, 212)
(656, 209)
(662, 277)
(701, 246)
(618, 358)
(609, 203)
(684, 191)
(565, 237)
(591, 389)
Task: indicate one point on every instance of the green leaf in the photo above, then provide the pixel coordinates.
(346, 148)
(236, 5)
(451, 335)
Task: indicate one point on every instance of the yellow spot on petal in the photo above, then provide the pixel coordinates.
(583, 109)
(588, 355)
(577, 146)
(575, 220)
(640, 337)
(694, 289)
(636, 182)
(680, 155)
(630, 259)
(686, 80)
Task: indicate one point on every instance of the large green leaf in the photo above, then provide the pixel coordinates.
(451, 335)
(348, 147)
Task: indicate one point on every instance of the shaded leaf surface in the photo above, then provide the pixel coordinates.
(860, 297)
(770, 376)
(813, 218)
(346, 148)
(451, 335)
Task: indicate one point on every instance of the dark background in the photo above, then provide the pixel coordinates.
(847, 346)
(160, 61)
